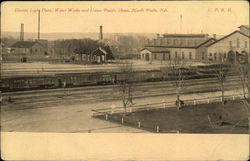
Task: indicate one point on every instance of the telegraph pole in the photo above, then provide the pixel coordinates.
(38, 36)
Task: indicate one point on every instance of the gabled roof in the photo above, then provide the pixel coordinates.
(155, 49)
(99, 51)
(227, 37)
(193, 46)
(246, 26)
(205, 42)
(23, 44)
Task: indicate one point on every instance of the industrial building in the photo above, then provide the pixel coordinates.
(232, 47)
(99, 55)
(199, 47)
(24, 51)
(172, 46)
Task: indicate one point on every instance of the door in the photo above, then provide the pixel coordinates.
(147, 57)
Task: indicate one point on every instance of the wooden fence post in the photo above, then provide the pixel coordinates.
(139, 124)
(157, 129)
(208, 101)
(122, 120)
(106, 116)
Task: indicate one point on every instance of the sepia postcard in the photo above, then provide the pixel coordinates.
(125, 80)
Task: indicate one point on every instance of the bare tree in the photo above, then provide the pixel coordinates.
(243, 71)
(125, 84)
(221, 71)
(176, 69)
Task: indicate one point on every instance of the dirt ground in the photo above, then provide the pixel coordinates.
(138, 64)
(77, 117)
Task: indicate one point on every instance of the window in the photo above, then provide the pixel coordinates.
(225, 55)
(174, 42)
(183, 57)
(169, 56)
(176, 54)
(161, 41)
(230, 44)
(220, 56)
(155, 56)
(181, 42)
(238, 43)
(190, 55)
(246, 44)
(210, 54)
(163, 56)
(203, 55)
(215, 56)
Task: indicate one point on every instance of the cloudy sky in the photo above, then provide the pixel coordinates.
(221, 17)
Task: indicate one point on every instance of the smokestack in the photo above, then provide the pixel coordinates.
(22, 33)
(101, 34)
(38, 34)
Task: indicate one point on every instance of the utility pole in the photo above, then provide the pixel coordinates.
(38, 36)
(180, 32)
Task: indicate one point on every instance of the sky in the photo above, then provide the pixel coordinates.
(212, 17)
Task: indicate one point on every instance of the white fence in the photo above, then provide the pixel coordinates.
(207, 100)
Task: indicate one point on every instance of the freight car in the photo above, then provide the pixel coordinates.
(28, 83)
(87, 79)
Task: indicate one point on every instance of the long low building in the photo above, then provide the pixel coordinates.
(199, 47)
(190, 52)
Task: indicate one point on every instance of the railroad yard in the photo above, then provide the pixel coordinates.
(125, 81)
(70, 109)
(43, 68)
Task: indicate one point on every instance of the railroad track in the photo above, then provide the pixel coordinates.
(160, 84)
(36, 100)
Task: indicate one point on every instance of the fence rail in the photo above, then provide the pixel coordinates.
(143, 107)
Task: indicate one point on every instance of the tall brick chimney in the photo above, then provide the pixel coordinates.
(22, 33)
(100, 34)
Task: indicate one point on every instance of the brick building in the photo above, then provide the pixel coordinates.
(182, 46)
(28, 50)
(231, 47)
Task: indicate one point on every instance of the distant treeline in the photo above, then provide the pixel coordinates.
(79, 46)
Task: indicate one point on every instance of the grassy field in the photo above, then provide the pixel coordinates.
(190, 119)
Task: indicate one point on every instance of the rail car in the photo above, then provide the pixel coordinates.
(212, 68)
(28, 83)
(86, 79)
